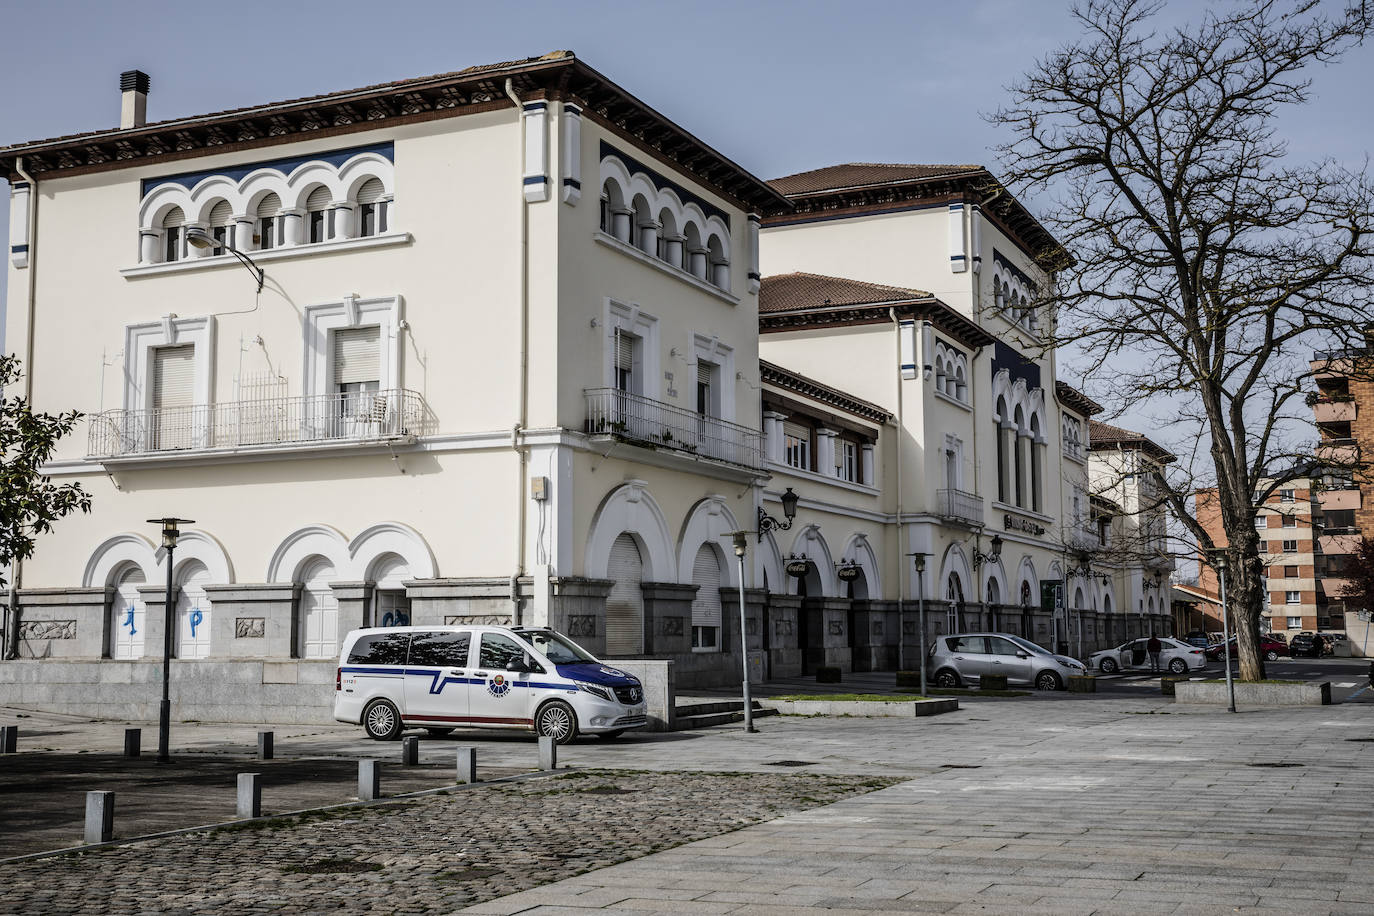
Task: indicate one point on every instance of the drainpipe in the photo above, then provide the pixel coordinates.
(901, 554)
(518, 430)
(11, 636)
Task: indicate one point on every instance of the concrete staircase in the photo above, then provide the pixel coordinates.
(705, 713)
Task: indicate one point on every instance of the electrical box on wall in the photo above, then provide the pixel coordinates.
(539, 488)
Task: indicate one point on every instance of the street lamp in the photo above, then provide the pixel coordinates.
(789, 510)
(1218, 560)
(741, 542)
(920, 560)
(164, 713)
(992, 556)
(199, 238)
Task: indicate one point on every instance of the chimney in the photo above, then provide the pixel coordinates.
(133, 87)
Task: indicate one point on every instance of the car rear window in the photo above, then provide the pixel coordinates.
(380, 649)
(973, 645)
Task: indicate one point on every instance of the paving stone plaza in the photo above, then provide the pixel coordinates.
(1109, 805)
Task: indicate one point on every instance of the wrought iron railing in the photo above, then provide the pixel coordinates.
(959, 504)
(644, 421)
(244, 424)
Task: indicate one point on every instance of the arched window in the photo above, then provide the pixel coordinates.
(669, 242)
(643, 226)
(1002, 474)
(193, 612)
(268, 220)
(615, 216)
(173, 238)
(1078, 597)
(319, 612)
(1037, 461)
(625, 603)
(317, 214)
(1018, 460)
(127, 614)
(720, 263)
(939, 372)
(954, 594)
(372, 215)
(696, 251)
(222, 223)
(960, 382)
(706, 610)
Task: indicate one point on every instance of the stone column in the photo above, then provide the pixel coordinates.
(773, 435)
(355, 607)
(873, 636)
(154, 598)
(192, 252)
(720, 274)
(667, 618)
(254, 620)
(825, 452)
(866, 469)
(827, 634)
(245, 227)
(620, 224)
(696, 259)
(344, 226)
(293, 231)
(782, 620)
(63, 622)
(149, 243)
(648, 236)
(672, 250)
(577, 607)
(477, 600)
(754, 613)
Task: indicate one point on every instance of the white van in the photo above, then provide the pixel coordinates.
(445, 677)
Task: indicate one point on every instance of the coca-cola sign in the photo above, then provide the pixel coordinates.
(797, 568)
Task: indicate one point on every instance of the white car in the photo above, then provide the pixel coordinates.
(1175, 656)
(444, 677)
(965, 657)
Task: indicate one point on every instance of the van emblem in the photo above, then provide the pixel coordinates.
(498, 686)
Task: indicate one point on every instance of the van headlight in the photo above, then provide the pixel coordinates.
(595, 690)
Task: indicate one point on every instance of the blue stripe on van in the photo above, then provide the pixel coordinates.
(439, 680)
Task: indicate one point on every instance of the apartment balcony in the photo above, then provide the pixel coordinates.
(1339, 541)
(1333, 500)
(633, 418)
(260, 425)
(1339, 451)
(1328, 411)
(959, 505)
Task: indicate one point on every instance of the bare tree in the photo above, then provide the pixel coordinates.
(1205, 268)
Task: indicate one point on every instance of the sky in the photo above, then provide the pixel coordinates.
(779, 87)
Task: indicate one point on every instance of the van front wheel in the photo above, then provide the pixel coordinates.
(382, 721)
(556, 720)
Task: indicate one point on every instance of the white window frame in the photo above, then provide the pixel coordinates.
(351, 312)
(850, 466)
(803, 446)
(1288, 549)
(711, 350)
(140, 340)
(1295, 622)
(1287, 496)
(956, 445)
(631, 319)
(1292, 597)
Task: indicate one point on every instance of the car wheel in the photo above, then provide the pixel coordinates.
(1178, 666)
(611, 736)
(1271, 656)
(946, 678)
(1047, 680)
(556, 720)
(1108, 665)
(382, 721)
(439, 732)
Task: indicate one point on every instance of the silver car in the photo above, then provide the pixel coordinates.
(964, 658)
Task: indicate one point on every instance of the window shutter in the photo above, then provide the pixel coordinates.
(269, 205)
(624, 350)
(221, 214)
(174, 377)
(625, 603)
(705, 372)
(174, 218)
(319, 199)
(371, 191)
(706, 576)
(357, 356)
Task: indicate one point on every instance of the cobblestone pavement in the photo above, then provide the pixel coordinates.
(423, 855)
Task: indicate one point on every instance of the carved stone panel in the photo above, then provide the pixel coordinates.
(250, 627)
(835, 627)
(582, 625)
(476, 620)
(671, 626)
(782, 628)
(877, 628)
(47, 629)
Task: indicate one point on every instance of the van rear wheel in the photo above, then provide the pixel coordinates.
(382, 721)
(556, 720)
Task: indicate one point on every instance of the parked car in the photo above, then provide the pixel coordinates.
(1270, 648)
(1308, 645)
(443, 677)
(1175, 656)
(1197, 638)
(964, 658)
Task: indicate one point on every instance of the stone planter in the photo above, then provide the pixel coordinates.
(904, 709)
(1167, 682)
(1082, 683)
(1213, 693)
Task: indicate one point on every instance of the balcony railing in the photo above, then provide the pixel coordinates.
(644, 421)
(359, 417)
(959, 505)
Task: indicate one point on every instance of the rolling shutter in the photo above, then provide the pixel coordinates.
(625, 603)
(269, 205)
(624, 351)
(174, 377)
(174, 218)
(221, 214)
(706, 577)
(357, 355)
(371, 191)
(319, 199)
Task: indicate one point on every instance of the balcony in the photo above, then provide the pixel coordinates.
(1339, 540)
(1339, 451)
(1329, 411)
(1333, 500)
(267, 424)
(653, 424)
(959, 505)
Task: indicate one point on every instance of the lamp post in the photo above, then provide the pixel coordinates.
(1219, 561)
(164, 712)
(741, 543)
(199, 238)
(920, 560)
(789, 510)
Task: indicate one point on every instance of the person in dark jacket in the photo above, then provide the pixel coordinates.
(1153, 647)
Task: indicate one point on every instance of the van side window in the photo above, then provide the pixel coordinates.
(380, 649)
(499, 651)
(440, 650)
(969, 645)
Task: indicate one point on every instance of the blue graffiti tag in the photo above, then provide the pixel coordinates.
(196, 618)
(129, 620)
(394, 619)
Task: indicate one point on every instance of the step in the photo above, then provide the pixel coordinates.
(705, 715)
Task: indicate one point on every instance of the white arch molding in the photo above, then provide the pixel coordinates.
(113, 555)
(630, 508)
(304, 545)
(707, 523)
(768, 565)
(811, 543)
(861, 552)
(384, 538)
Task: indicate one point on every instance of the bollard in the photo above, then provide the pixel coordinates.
(99, 817)
(410, 751)
(369, 780)
(250, 795)
(467, 765)
(133, 742)
(265, 745)
(548, 753)
(9, 739)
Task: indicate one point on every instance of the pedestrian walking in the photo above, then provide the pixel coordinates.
(1153, 647)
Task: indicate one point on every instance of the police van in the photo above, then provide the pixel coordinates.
(445, 677)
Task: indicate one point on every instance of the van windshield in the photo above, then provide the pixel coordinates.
(556, 648)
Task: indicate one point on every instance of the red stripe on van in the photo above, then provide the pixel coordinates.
(492, 720)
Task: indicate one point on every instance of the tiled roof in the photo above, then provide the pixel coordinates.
(789, 292)
(863, 174)
(1075, 400)
(786, 379)
(1106, 434)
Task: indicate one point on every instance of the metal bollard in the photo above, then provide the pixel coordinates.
(410, 751)
(133, 742)
(265, 745)
(369, 780)
(99, 817)
(467, 765)
(9, 739)
(250, 795)
(548, 753)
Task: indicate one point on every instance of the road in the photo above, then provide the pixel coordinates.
(1349, 677)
